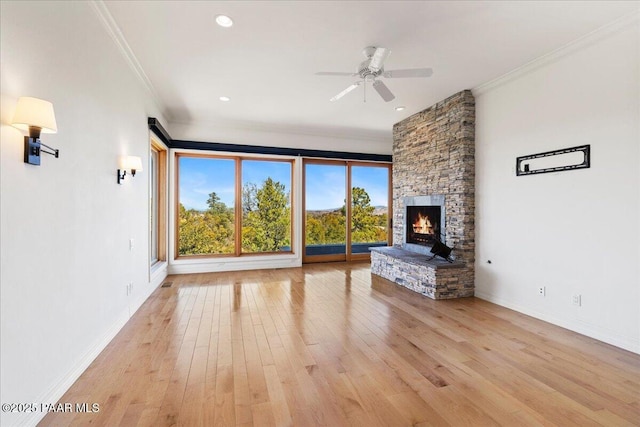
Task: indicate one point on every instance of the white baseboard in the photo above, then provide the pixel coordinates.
(61, 386)
(157, 273)
(233, 264)
(66, 381)
(587, 329)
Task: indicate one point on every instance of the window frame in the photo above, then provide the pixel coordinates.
(237, 205)
(348, 164)
(161, 203)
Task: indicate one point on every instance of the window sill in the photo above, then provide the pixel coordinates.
(245, 262)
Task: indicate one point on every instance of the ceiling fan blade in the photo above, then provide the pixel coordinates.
(346, 91)
(383, 90)
(378, 58)
(334, 73)
(410, 72)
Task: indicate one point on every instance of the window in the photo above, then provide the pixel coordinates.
(369, 207)
(153, 202)
(325, 213)
(266, 206)
(233, 206)
(206, 217)
(157, 202)
(335, 230)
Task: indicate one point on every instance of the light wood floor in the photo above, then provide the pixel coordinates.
(328, 344)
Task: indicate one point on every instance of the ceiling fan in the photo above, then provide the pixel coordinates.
(373, 67)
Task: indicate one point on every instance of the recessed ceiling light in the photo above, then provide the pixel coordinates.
(224, 98)
(400, 108)
(224, 21)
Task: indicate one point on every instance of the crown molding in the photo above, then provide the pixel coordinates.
(566, 50)
(110, 25)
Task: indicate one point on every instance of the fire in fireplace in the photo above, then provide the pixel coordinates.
(423, 225)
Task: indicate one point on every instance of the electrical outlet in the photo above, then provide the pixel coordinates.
(542, 291)
(577, 300)
(131, 244)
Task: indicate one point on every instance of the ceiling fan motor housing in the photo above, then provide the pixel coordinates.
(364, 71)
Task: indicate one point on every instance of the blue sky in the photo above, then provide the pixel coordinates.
(374, 180)
(325, 183)
(200, 176)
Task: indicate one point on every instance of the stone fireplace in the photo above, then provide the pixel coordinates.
(433, 167)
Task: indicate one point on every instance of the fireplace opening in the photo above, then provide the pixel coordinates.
(423, 225)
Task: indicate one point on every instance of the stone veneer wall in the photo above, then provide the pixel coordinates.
(434, 153)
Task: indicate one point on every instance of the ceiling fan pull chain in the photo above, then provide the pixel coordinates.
(365, 90)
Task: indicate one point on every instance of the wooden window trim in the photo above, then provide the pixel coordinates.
(348, 255)
(162, 188)
(237, 206)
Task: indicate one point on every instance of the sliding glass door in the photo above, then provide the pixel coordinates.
(325, 214)
(369, 207)
(334, 229)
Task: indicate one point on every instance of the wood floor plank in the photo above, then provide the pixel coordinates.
(223, 398)
(277, 399)
(300, 398)
(332, 345)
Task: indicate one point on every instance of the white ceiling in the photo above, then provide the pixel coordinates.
(266, 62)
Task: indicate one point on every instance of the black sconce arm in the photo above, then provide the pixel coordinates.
(54, 152)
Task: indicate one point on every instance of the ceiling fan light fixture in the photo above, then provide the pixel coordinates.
(224, 99)
(224, 21)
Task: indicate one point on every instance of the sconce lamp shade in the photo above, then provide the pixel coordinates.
(134, 163)
(128, 163)
(36, 116)
(123, 162)
(35, 113)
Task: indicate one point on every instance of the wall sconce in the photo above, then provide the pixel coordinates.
(132, 163)
(36, 116)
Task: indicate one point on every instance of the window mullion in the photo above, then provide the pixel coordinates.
(238, 205)
(348, 208)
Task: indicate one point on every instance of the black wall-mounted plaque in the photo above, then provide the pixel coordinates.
(555, 161)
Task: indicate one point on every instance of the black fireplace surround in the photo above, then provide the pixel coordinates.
(424, 222)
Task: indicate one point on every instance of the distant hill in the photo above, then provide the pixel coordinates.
(318, 212)
(377, 210)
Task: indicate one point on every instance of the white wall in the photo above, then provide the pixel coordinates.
(66, 225)
(575, 232)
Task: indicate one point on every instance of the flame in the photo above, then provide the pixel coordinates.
(422, 225)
